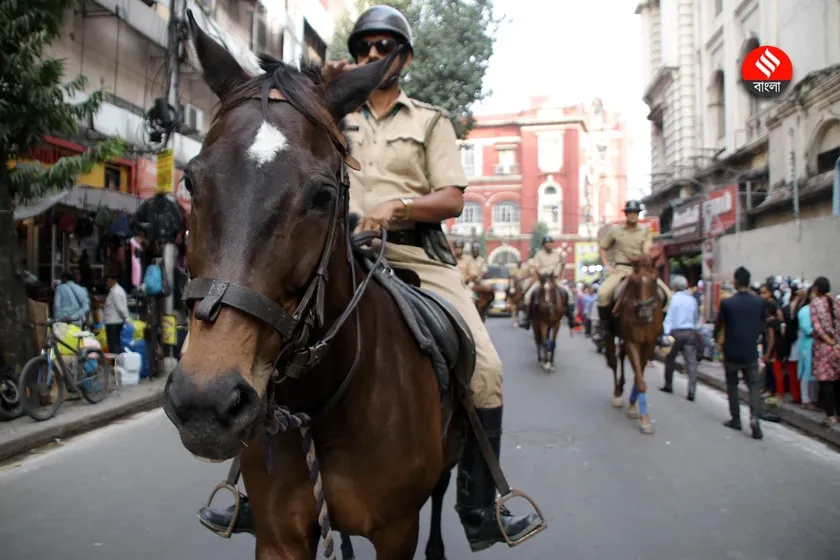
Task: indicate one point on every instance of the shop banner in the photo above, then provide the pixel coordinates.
(165, 167)
(686, 221)
(719, 210)
(587, 262)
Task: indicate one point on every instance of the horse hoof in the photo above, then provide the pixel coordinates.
(617, 402)
(632, 413)
(646, 428)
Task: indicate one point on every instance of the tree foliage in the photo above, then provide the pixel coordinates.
(453, 42)
(33, 103)
(536, 238)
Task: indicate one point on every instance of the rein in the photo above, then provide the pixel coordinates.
(297, 356)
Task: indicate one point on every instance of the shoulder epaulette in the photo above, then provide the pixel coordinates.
(431, 107)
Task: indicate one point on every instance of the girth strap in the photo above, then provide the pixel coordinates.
(214, 293)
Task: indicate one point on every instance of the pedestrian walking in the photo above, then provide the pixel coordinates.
(116, 314)
(825, 317)
(805, 346)
(680, 325)
(740, 319)
(771, 333)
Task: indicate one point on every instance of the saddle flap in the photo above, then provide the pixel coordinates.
(439, 330)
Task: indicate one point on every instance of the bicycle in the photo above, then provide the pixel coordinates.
(48, 372)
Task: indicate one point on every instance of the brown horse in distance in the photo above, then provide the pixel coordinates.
(547, 311)
(269, 175)
(484, 297)
(515, 295)
(637, 321)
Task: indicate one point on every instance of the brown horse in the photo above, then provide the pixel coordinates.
(484, 297)
(547, 310)
(515, 295)
(637, 321)
(279, 325)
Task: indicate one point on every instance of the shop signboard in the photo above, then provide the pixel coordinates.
(587, 262)
(686, 222)
(146, 178)
(165, 167)
(719, 210)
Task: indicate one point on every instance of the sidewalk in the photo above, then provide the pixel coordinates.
(711, 373)
(78, 416)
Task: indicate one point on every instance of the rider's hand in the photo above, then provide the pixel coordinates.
(379, 217)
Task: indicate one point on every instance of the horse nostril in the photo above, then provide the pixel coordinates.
(234, 404)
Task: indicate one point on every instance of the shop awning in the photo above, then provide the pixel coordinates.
(80, 197)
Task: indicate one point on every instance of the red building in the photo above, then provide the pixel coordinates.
(541, 165)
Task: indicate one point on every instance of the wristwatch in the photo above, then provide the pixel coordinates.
(406, 202)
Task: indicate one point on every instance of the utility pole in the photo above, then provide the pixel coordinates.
(173, 40)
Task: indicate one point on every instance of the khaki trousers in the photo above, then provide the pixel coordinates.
(445, 281)
(606, 290)
(529, 293)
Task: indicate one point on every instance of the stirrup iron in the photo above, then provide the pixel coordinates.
(500, 503)
(237, 497)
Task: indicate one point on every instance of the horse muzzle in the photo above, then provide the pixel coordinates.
(215, 418)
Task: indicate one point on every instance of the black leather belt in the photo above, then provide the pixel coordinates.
(616, 264)
(405, 237)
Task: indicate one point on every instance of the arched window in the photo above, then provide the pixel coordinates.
(506, 213)
(717, 104)
(471, 214)
(551, 207)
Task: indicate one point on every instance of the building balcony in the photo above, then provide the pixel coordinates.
(467, 228)
(504, 170)
(506, 229)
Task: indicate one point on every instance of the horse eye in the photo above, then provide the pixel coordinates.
(323, 197)
(187, 183)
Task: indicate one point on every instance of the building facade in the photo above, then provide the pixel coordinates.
(564, 167)
(120, 47)
(756, 163)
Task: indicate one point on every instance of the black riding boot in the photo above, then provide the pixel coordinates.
(218, 521)
(605, 322)
(476, 503)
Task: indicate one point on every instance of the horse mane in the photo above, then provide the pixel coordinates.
(296, 85)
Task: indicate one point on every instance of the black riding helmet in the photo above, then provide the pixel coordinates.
(381, 19)
(547, 239)
(633, 206)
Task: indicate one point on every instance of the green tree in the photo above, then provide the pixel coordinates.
(453, 42)
(33, 104)
(536, 238)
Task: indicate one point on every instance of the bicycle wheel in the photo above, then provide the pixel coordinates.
(41, 388)
(93, 378)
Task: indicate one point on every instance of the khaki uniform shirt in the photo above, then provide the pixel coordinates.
(477, 267)
(547, 263)
(464, 267)
(627, 243)
(409, 151)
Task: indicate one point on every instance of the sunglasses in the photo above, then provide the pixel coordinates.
(383, 47)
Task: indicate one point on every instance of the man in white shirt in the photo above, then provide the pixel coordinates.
(116, 314)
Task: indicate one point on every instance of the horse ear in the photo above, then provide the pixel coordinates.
(348, 91)
(219, 68)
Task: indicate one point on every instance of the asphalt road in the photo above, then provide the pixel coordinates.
(694, 490)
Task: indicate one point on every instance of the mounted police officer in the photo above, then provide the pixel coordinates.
(544, 262)
(626, 243)
(462, 259)
(411, 180)
(478, 265)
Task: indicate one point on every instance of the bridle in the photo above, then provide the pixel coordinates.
(297, 356)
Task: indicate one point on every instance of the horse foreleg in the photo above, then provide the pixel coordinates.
(554, 334)
(435, 548)
(634, 352)
(612, 362)
(397, 540)
(347, 552)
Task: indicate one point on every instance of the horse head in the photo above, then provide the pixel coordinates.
(644, 289)
(269, 205)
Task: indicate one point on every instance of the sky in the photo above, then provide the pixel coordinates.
(574, 51)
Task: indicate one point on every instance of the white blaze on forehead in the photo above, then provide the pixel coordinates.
(267, 143)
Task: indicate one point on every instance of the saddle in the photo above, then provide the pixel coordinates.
(439, 330)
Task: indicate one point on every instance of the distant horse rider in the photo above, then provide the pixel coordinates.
(627, 242)
(547, 261)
